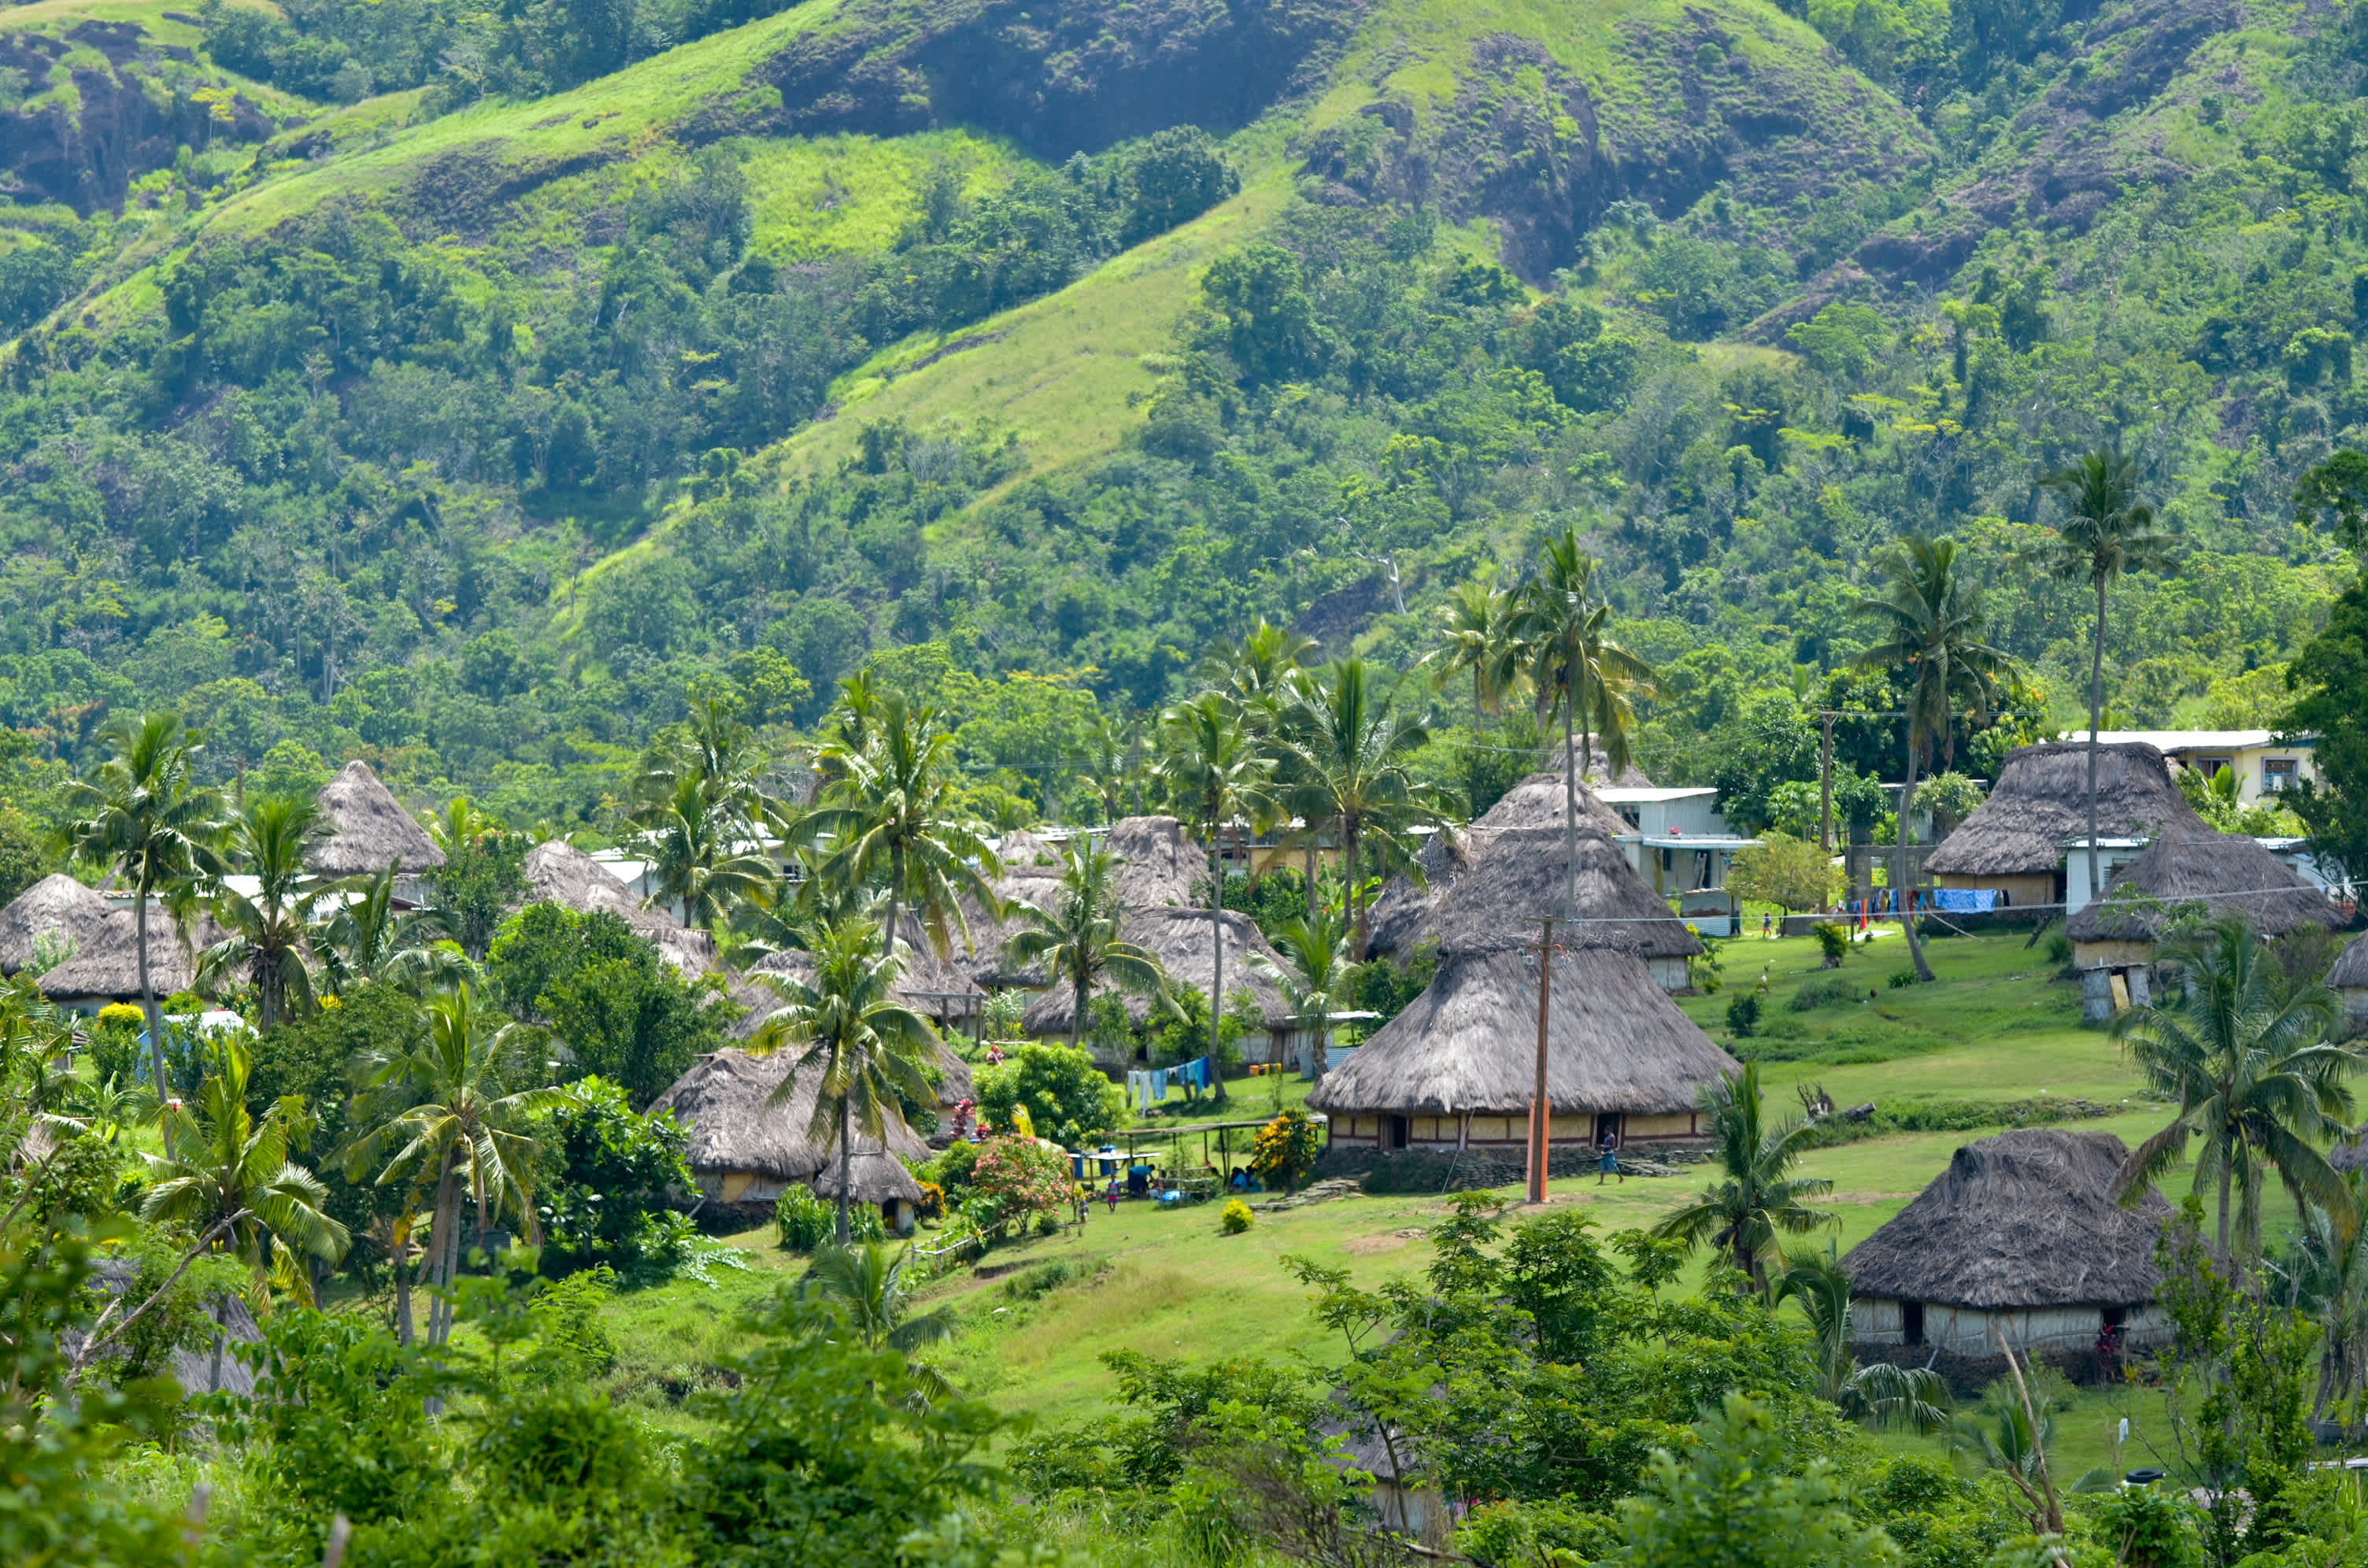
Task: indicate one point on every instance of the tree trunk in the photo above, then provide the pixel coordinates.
(2224, 1207)
(2096, 719)
(1901, 891)
(1077, 1017)
(845, 1177)
(1360, 916)
(398, 1238)
(895, 899)
(1569, 812)
(148, 990)
(1216, 958)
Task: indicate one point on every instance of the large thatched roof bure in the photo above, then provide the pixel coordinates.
(369, 829)
(2041, 799)
(557, 872)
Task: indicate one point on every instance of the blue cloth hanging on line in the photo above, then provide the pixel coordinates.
(1160, 1083)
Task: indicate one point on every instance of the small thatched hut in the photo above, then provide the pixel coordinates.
(2187, 869)
(557, 872)
(2349, 976)
(2013, 844)
(1457, 1069)
(371, 831)
(2020, 1238)
(57, 907)
(746, 1153)
(107, 967)
(1184, 942)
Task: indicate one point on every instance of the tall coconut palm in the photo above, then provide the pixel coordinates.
(1931, 629)
(1317, 976)
(1349, 746)
(1216, 775)
(2106, 533)
(864, 1048)
(437, 1114)
(227, 1175)
(1080, 937)
(268, 934)
(2324, 1276)
(369, 940)
(890, 810)
(1475, 629)
(145, 816)
(1259, 670)
(1878, 1391)
(2253, 1073)
(1756, 1199)
(1562, 625)
(704, 855)
(460, 825)
(1109, 762)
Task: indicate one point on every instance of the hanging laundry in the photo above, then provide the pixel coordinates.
(1160, 1083)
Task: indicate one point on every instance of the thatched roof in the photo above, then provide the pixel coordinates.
(1158, 864)
(107, 964)
(722, 1099)
(2041, 799)
(1031, 874)
(1597, 769)
(955, 1084)
(557, 872)
(57, 904)
(1183, 940)
(873, 1177)
(1406, 916)
(2026, 1219)
(2349, 968)
(370, 829)
(2225, 873)
(2349, 1153)
(1615, 1042)
(1498, 902)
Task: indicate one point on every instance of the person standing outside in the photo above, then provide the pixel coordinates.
(1608, 1165)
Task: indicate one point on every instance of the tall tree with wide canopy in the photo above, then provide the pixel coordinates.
(1932, 628)
(145, 816)
(890, 809)
(1755, 1198)
(2249, 1062)
(2106, 533)
(1080, 936)
(269, 933)
(1349, 746)
(1562, 626)
(1216, 775)
(867, 1050)
(440, 1115)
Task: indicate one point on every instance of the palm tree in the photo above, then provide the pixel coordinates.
(875, 1283)
(2107, 531)
(268, 944)
(1878, 1391)
(700, 853)
(460, 825)
(1932, 626)
(1562, 628)
(228, 1177)
(2253, 1073)
(1349, 749)
(867, 1048)
(890, 809)
(1214, 774)
(368, 939)
(1475, 625)
(147, 818)
(1109, 763)
(1260, 670)
(2324, 1276)
(1758, 1197)
(1079, 939)
(1316, 977)
(437, 1115)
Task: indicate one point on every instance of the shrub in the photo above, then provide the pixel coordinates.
(804, 1221)
(1742, 1014)
(1794, 873)
(1067, 1098)
(1833, 941)
(1286, 1149)
(1901, 979)
(2059, 949)
(1016, 1178)
(606, 1204)
(1237, 1218)
(115, 1014)
(1826, 991)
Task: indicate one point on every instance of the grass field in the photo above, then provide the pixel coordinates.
(1040, 1314)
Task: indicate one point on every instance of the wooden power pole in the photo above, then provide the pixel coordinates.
(1541, 1108)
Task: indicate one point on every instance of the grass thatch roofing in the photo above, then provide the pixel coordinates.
(2023, 1220)
(1158, 865)
(1406, 916)
(371, 831)
(1597, 769)
(1615, 1042)
(2227, 873)
(1032, 873)
(721, 1100)
(1498, 902)
(873, 1177)
(56, 904)
(107, 964)
(2349, 968)
(1183, 941)
(557, 872)
(2041, 799)
(955, 1084)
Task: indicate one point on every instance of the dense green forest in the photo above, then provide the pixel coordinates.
(380, 412)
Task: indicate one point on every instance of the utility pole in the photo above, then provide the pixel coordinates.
(1541, 1109)
(1826, 784)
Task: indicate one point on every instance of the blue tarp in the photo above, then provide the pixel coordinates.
(1965, 901)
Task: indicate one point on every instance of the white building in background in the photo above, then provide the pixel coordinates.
(2263, 765)
(1683, 847)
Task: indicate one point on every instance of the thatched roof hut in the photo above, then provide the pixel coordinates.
(2041, 799)
(1458, 1066)
(557, 872)
(873, 1177)
(370, 829)
(107, 967)
(2349, 978)
(1031, 874)
(955, 1084)
(1184, 942)
(2190, 867)
(56, 907)
(1598, 768)
(1158, 863)
(2021, 1236)
(745, 1151)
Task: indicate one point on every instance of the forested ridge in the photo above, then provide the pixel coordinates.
(390, 413)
